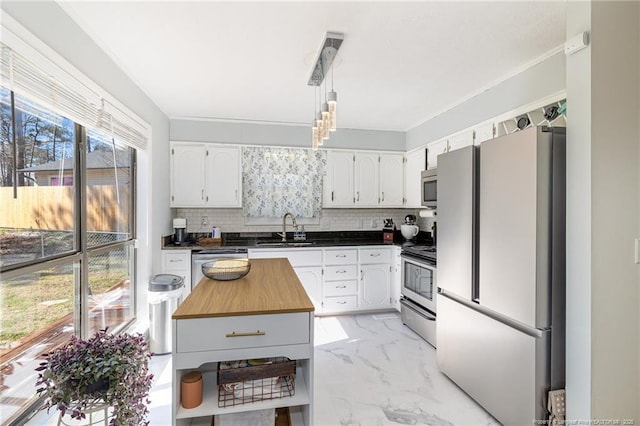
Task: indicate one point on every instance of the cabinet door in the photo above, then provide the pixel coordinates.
(187, 175)
(413, 169)
(375, 289)
(396, 278)
(311, 279)
(338, 181)
(366, 178)
(435, 149)
(224, 177)
(391, 180)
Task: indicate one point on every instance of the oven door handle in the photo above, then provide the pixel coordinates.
(424, 314)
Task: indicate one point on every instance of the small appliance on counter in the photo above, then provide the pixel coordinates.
(409, 229)
(388, 231)
(179, 230)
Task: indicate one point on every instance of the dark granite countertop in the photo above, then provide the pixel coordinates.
(231, 240)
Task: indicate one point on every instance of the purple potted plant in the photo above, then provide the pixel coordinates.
(107, 369)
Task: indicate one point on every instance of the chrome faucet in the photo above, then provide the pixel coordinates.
(284, 225)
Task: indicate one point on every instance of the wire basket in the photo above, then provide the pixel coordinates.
(243, 382)
(226, 269)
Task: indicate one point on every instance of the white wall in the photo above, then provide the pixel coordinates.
(281, 135)
(578, 345)
(54, 27)
(615, 77)
(539, 81)
(603, 198)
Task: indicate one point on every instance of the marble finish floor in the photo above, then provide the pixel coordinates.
(370, 370)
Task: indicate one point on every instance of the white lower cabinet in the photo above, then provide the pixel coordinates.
(344, 279)
(339, 287)
(178, 262)
(311, 279)
(396, 278)
(374, 288)
(374, 291)
(306, 262)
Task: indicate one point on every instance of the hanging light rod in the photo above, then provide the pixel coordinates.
(326, 55)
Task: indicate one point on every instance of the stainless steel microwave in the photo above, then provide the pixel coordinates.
(429, 185)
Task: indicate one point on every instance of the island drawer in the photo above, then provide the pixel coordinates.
(340, 288)
(344, 272)
(243, 331)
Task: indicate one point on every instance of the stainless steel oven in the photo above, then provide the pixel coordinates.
(419, 282)
(418, 301)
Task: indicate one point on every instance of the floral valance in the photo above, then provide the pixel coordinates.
(280, 180)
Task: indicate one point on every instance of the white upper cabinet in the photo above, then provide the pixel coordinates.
(412, 172)
(205, 175)
(391, 180)
(338, 181)
(363, 179)
(366, 179)
(187, 165)
(224, 177)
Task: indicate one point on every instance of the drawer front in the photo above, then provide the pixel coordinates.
(341, 272)
(246, 331)
(375, 255)
(340, 257)
(339, 303)
(340, 288)
(297, 257)
(173, 261)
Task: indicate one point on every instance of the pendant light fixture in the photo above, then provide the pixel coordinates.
(332, 104)
(326, 116)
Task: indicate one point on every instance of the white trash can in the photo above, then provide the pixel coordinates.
(165, 294)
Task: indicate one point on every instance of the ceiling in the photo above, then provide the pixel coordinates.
(400, 64)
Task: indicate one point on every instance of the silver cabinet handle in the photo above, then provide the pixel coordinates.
(341, 272)
(255, 333)
(341, 255)
(331, 195)
(383, 196)
(358, 195)
(202, 194)
(341, 286)
(236, 195)
(175, 260)
(341, 303)
(374, 254)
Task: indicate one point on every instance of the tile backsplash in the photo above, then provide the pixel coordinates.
(233, 220)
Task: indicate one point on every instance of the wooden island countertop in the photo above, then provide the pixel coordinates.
(271, 287)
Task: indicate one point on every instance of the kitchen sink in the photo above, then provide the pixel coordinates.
(285, 244)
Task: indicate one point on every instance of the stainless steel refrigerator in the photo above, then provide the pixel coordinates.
(501, 271)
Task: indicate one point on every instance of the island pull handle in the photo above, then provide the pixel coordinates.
(251, 333)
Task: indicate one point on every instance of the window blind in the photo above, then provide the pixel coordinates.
(57, 89)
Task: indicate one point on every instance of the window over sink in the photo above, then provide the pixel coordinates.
(280, 180)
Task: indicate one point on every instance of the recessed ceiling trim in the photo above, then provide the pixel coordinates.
(326, 55)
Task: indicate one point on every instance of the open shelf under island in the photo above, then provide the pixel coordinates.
(265, 314)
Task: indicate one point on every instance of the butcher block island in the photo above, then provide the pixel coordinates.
(262, 316)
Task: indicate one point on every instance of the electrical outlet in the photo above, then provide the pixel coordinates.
(204, 221)
(325, 224)
(374, 224)
(358, 224)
